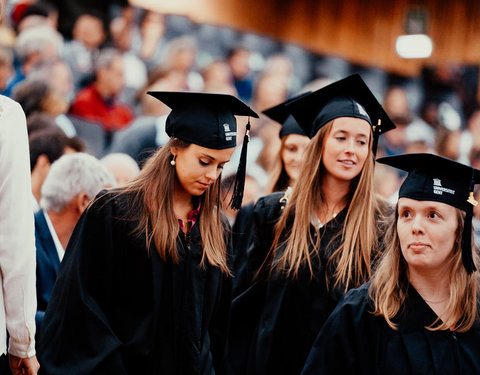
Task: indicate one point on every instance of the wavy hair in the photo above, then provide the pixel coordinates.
(351, 261)
(390, 283)
(153, 190)
(278, 178)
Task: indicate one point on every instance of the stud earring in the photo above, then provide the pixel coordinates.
(172, 162)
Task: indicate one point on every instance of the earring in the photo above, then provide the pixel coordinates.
(172, 162)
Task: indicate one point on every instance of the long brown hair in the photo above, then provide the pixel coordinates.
(352, 259)
(278, 178)
(390, 283)
(153, 189)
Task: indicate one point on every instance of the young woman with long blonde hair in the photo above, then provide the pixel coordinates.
(419, 314)
(314, 244)
(145, 286)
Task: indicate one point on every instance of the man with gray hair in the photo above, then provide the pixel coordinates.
(72, 182)
(34, 45)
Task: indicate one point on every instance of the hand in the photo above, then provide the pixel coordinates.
(23, 366)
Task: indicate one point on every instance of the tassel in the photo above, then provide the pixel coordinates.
(237, 196)
(467, 256)
(376, 134)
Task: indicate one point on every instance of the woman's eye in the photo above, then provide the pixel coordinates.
(433, 215)
(405, 214)
(363, 143)
(204, 163)
(220, 166)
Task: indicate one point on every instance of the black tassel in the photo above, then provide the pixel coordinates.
(467, 256)
(237, 196)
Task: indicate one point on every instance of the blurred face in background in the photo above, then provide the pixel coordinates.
(110, 78)
(89, 30)
(239, 63)
(293, 147)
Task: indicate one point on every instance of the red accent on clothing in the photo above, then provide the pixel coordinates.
(192, 217)
(90, 105)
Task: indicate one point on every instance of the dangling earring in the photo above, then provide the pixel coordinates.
(172, 162)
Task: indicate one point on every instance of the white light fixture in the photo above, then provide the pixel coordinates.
(416, 46)
(415, 43)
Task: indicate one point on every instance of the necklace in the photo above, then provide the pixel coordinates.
(326, 211)
(440, 301)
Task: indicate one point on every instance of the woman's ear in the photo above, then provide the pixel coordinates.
(173, 150)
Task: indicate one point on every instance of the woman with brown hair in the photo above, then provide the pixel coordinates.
(293, 143)
(312, 245)
(145, 285)
(419, 314)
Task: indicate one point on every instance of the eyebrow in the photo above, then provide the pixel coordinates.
(425, 208)
(207, 156)
(347, 132)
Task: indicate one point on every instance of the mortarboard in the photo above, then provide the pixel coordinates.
(348, 97)
(208, 120)
(281, 114)
(435, 178)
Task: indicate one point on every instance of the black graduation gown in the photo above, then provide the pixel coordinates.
(274, 323)
(119, 309)
(242, 236)
(354, 341)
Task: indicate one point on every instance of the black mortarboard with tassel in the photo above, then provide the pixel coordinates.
(435, 178)
(208, 120)
(348, 97)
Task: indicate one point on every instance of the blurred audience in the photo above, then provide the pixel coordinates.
(98, 102)
(238, 59)
(122, 166)
(34, 45)
(46, 146)
(82, 50)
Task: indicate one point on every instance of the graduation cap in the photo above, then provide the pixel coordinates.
(435, 178)
(208, 120)
(281, 114)
(348, 97)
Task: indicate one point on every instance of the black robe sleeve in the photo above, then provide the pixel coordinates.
(249, 292)
(354, 341)
(77, 336)
(117, 308)
(343, 343)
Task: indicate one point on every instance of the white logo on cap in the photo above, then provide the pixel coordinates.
(439, 189)
(361, 110)
(228, 133)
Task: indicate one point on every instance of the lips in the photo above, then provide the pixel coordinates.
(348, 162)
(204, 186)
(416, 246)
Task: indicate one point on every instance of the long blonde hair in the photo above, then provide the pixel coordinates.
(153, 191)
(390, 284)
(278, 178)
(352, 260)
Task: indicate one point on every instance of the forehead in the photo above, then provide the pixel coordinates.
(351, 125)
(296, 139)
(220, 155)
